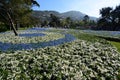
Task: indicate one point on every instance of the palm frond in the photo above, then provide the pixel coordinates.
(35, 3)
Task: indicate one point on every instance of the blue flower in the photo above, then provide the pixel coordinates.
(31, 35)
(40, 29)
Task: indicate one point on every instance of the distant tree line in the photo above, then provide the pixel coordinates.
(55, 21)
(110, 19)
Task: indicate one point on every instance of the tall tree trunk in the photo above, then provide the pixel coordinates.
(12, 25)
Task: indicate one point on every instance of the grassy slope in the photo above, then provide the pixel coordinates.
(87, 37)
(116, 44)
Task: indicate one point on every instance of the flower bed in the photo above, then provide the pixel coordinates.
(39, 29)
(77, 60)
(32, 35)
(56, 56)
(32, 39)
(10, 38)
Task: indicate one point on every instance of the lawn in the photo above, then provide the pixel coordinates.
(116, 44)
(57, 54)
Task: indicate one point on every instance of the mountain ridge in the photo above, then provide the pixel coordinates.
(74, 15)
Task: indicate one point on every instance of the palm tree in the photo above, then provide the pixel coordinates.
(105, 12)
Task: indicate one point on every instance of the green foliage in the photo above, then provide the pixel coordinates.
(16, 12)
(86, 20)
(78, 24)
(3, 28)
(110, 18)
(54, 21)
(3, 73)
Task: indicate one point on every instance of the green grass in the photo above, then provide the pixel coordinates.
(24, 28)
(84, 36)
(116, 44)
(88, 37)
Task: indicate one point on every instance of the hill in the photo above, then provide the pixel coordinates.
(74, 15)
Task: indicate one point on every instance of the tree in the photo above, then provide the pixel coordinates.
(116, 18)
(55, 21)
(106, 19)
(68, 21)
(105, 12)
(86, 20)
(2, 28)
(110, 18)
(44, 23)
(63, 23)
(10, 10)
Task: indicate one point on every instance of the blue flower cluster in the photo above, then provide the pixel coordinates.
(104, 33)
(40, 29)
(116, 33)
(26, 46)
(31, 35)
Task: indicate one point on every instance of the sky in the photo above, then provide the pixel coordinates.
(89, 7)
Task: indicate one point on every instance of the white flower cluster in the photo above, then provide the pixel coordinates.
(77, 60)
(11, 38)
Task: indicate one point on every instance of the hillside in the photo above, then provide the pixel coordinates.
(74, 15)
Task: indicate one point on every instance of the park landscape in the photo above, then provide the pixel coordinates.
(59, 53)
